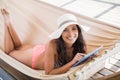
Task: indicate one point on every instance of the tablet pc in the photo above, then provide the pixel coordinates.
(88, 56)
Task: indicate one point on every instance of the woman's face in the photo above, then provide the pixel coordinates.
(70, 34)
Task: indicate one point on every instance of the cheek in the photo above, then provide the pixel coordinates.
(76, 32)
(63, 36)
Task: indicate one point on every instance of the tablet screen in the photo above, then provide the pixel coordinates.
(88, 56)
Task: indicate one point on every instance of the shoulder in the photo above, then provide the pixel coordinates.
(52, 43)
(51, 46)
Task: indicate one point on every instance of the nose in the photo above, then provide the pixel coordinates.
(70, 33)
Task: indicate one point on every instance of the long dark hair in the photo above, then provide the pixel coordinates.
(78, 47)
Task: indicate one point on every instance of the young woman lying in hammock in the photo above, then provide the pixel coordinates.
(65, 48)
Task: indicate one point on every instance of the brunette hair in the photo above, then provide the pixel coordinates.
(78, 47)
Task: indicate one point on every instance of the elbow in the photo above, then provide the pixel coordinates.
(54, 72)
(48, 72)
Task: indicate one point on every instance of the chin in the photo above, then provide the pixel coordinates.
(71, 42)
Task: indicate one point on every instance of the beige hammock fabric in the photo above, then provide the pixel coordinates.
(34, 20)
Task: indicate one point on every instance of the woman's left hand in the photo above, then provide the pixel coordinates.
(77, 57)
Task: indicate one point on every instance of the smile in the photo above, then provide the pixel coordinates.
(71, 38)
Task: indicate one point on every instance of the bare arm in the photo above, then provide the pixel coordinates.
(50, 61)
(61, 70)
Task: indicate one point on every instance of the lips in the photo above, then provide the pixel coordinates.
(71, 38)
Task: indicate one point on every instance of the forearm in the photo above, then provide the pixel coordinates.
(62, 69)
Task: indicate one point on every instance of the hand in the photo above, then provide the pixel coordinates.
(78, 56)
(93, 56)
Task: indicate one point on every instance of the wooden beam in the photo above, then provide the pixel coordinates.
(13, 72)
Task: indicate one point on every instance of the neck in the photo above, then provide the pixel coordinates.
(68, 46)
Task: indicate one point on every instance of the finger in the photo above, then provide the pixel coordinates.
(96, 55)
(83, 54)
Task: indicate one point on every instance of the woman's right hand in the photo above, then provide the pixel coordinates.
(77, 57)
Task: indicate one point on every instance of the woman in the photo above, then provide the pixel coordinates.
(65, 48)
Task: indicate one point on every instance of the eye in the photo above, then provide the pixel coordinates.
(65, 30)
(74, 28)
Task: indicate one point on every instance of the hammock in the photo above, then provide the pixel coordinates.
(35, 20)
(115, 76)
